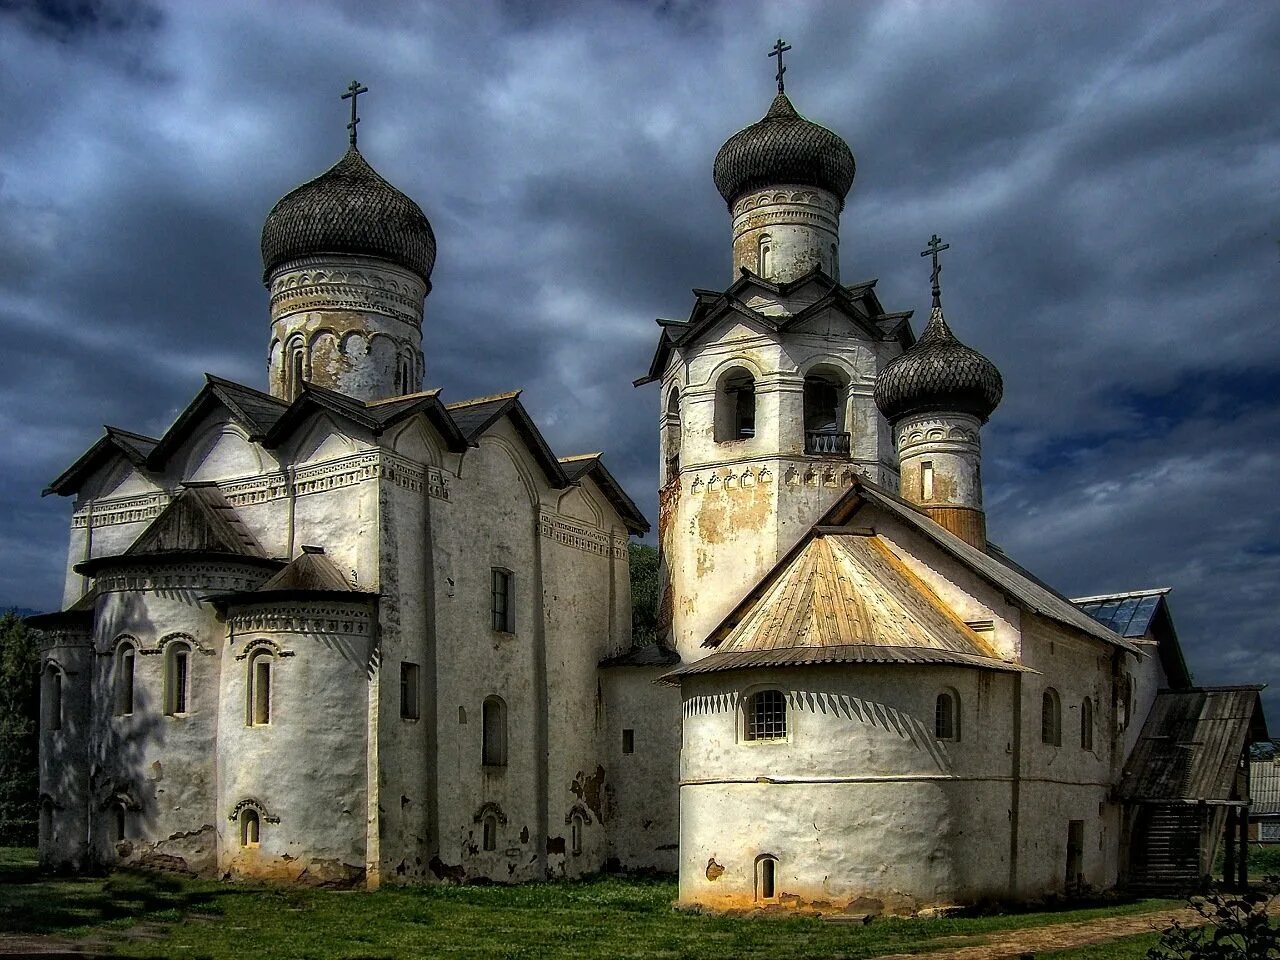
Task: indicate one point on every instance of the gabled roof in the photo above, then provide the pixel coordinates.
(649, 655)
(1191, 744)
(1020, 586)
(845, 595)
(857, 301)
(134, 447)
(591, 465)
(1139, 614)
(255, 411)
(78, 616)
(198, 522)
(474, 417)
(375, 417)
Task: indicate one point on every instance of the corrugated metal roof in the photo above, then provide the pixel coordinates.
(1264, 787)
(1191, 744)
(1128, 614)
(843, 654)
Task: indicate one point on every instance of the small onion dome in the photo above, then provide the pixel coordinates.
(784, 147)
(349, 209)
(939, 373)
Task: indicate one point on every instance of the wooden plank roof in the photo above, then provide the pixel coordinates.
(1192, 743)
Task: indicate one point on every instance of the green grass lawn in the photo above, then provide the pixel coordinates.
(149, 915)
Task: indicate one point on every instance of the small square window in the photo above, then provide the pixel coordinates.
(767, 716)
(628, 741)
(409, 709)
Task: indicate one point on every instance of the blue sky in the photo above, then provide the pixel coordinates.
(1106, 174)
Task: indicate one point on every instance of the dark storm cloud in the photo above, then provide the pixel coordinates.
(1106, 174)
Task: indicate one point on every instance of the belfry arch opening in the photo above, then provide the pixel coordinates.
(671, 436)
(735, 406)
(826, 392)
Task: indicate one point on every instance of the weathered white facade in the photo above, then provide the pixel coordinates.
(341, 632)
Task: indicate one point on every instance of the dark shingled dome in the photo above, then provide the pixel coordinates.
(784, 147)
(349, 209)
(939, 373)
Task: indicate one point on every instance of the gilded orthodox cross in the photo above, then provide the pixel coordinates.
(353, 90)
(779, 49)
(936, 246)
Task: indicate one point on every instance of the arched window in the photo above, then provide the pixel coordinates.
(735, 406)
(575, 834)
(946, 716)
(250, 827)
(295, 372)
(766, 716)
(1086, 724)
(119, 822)
(501, 607)
(125, 660)
(1051, 718)
(494, 732)
(764, 257)
(52, 694)
(46, 820)
(825, 389)
(258, 700)
(177, 677)
(489, 830)
(767, 877)
(671, 435)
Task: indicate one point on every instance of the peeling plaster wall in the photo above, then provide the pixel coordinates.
(743, 503)
(860, 801)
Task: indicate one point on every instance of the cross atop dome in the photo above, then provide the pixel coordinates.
(354, 89)
(779, 49)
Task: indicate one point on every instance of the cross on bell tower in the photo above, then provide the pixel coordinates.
(354, 89)
(779, 49)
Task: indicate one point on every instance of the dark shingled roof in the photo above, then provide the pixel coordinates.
(349, 209)
(473, 417)
(309, 576)
(939, 373)
(590, 465)
(783, 147)
(135, 447)
(649, 655)
(1191, 744)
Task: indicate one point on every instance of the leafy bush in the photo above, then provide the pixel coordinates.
(19, 702)
(1236, 927)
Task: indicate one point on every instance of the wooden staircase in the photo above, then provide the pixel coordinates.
(1165, 857)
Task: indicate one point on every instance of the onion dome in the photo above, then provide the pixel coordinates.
(784, 147)
(939, 373)
(349, 209)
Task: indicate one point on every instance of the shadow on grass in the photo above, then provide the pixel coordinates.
(35, 902)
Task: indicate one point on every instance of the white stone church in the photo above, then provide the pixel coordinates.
(348, 631)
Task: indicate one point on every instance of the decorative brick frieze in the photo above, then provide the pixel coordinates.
(581, 536)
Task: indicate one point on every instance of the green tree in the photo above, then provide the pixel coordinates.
(19, 706)
(644, 594)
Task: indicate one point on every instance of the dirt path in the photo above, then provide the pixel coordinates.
(1056, 936)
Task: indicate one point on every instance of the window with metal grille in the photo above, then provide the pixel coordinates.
(767, 715)
(502, 619)
(177, 676)
(946, 716)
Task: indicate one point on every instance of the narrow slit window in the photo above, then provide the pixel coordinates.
(1051, 718)
(53, 698)
(765, 258)
(177, 678)
(260, 689)
(490, 833)
(250, 828)
(926, 480)
(502, 619)
(767, 878)
(628, 741)
(575, 834)
(409, 708)
(119, 822)
(946, 716)
(1086, 724)
(766, 716)
(494, 732)
(126, 657)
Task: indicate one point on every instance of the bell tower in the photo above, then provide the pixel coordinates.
(766, 405)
